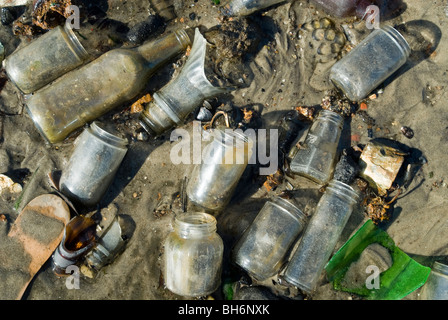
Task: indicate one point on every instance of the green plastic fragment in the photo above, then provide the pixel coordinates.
(403, 277)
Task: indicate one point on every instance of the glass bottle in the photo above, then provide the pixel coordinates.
(262, 249)
(92, 90)
(316, 157)
(175, 101)
(213, 181)
(320, 236)
(436, 286)
(93, 164)
(78, 239)
(371, 62)
(246, 7)
(193, 255)
(45, 59)
(344, 8)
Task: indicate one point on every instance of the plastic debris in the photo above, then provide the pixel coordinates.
(380, 165)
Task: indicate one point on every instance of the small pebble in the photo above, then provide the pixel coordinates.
(407, 132)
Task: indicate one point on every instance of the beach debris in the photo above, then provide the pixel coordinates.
(377, 208)
(163, 207)
(14, 3)
(380, 165)
(347, 168)
(407, 132)
(7, 185)
(48, 14)
(138, 105)
(79, 238)
(111, 241)
(370, 245)
(204, 114)
(35, 235)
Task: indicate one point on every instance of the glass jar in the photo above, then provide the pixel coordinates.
(213, 181)
(262, 249)
(93, 164)
(316, 157)
(113, 79)
(193, 255)
(321, 235)
(371, 62)
(45, 59)
(246, 7)
(436, 286)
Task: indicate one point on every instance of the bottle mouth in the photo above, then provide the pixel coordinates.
(288, 207)
(398, 39)
(97, 129)
(331, 116)
(195, 224)
(344, 190)
(75, 45)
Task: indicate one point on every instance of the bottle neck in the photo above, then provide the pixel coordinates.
(195, 225)
(169, 45)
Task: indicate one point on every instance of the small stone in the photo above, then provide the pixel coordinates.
(142, 136)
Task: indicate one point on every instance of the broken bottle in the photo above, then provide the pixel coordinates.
(181, 96)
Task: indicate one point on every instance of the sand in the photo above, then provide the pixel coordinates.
(288, 72)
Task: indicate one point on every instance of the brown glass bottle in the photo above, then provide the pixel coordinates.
(111, 80)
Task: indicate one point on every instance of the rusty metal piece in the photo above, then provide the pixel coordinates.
(380, 165)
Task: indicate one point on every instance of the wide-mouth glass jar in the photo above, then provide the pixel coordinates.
(193, 254)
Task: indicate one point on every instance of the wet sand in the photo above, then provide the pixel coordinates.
(288, 72)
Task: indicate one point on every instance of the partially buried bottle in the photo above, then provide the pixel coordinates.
(96, 88)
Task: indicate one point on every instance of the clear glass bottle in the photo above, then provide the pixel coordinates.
(175, 101)
(78, 239)
(193, 255)
(371, 62)
(263, 247)
(93, 164)
(316, 157)
(107, 82)
(320, 236)
(344, 8)
(436, 286)
(246, 7)
(45, 59)
(213, 181)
